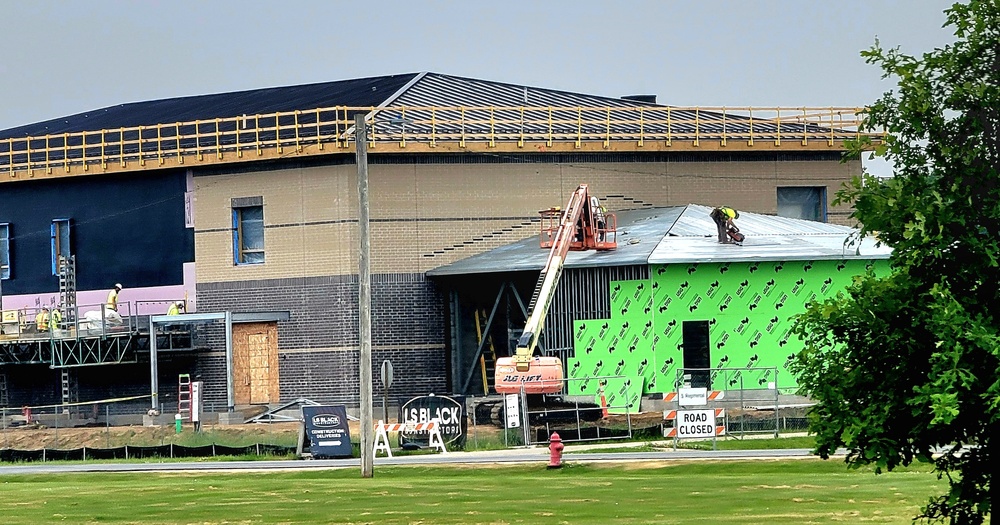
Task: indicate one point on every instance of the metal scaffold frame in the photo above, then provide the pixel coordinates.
(93, 351)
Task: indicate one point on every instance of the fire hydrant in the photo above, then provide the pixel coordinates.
(555, 451)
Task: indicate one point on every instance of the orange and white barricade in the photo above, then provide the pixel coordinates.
(432, 428)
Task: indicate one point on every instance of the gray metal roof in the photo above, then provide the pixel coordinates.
(571, 114)
(768, 238)
(355, 92)
(684, 234)
(639, 231)
(556, 114)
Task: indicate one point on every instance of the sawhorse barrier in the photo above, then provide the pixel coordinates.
(432, 428)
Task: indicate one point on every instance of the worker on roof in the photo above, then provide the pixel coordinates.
(42, 319)
(723, 217)
(113, 297)
(176, 308)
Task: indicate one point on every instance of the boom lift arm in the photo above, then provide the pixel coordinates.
(548, 279)
(582, 225)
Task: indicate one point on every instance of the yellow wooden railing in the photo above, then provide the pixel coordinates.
(431, 128)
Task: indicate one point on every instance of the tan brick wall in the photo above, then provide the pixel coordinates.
(427, 215)
(309, 223)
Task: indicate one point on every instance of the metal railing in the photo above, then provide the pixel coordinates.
(418, 128)
(578, 421)
(93, 320)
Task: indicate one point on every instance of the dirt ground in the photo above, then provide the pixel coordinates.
(30, 438)
(286, 433)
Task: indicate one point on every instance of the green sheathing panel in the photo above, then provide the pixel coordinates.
(749, 307)
(620, 346)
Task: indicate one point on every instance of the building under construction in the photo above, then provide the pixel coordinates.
(246, 203)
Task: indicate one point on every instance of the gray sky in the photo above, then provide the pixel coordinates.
(62, 57)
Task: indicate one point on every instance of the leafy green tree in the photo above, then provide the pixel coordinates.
(905, 368)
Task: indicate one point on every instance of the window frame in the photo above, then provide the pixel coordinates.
(5, 268)
(823, 209)
(240, 250)
(60, 229)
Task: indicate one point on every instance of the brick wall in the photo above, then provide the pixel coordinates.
(318, 345)
(427, 215)
(35, 385)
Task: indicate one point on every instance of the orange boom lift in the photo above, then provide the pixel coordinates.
(581, 225)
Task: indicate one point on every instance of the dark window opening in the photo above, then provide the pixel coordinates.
(60, 243)
(697, 354)
(5, 251)
(807, 203)
(248, 235)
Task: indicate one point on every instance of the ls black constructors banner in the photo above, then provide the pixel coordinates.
(448, 410)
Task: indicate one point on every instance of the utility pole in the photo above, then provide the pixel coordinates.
(364, 298)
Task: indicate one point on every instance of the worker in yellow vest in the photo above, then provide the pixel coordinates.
(42, 319)
(176, 308)
(723, 217)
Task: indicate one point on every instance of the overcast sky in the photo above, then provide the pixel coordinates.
(61, 57)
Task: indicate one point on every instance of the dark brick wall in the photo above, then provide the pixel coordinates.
(318, 345)
(37, 385)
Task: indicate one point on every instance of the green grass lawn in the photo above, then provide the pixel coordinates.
(706, 492)
(753, 444)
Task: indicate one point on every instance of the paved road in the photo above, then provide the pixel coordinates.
(534, 455)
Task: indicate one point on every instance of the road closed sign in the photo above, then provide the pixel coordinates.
(695, 424)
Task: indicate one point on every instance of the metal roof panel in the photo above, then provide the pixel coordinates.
(356, 92)
(685, 234)
(639, 231)
(694, 238)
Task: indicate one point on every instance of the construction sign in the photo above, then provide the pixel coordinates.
(694, 424)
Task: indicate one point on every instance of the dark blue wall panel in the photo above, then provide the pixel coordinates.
(124, 228)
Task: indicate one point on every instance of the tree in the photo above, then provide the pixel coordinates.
(905, 367)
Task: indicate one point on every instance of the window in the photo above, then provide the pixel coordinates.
(807, 203)
(248, 230)
(60, 243)
(4, 251)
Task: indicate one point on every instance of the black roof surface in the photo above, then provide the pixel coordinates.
(355, 92)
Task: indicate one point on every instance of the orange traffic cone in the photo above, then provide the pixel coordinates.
(604, 404)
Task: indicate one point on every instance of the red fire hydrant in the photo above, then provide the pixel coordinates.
(555, 451)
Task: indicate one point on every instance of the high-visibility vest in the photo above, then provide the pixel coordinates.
(42, 321)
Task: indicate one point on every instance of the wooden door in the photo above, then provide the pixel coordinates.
(255, 363)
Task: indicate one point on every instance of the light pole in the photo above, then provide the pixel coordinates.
(364, 298)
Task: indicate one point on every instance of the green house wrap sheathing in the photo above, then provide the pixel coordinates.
(749, 308)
